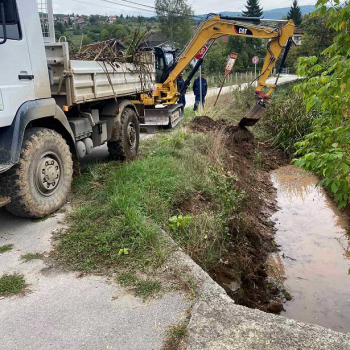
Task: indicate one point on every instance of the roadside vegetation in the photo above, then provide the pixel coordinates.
(125, 205)
(12, 285)
(32, 256)
(6, 248)
(198, 184)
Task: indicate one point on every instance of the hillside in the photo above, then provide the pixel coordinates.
(276, 13)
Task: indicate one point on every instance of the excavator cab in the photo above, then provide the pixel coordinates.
(165, 62)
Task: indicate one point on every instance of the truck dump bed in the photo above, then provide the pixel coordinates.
(74, 82)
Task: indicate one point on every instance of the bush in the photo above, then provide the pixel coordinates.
(286, 120)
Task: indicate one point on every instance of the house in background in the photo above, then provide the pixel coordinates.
(112, 19)
(154, 39)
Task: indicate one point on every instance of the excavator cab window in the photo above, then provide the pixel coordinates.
(165, 58)
(160, 64)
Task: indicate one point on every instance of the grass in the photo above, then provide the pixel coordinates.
(142, 288)
(12, 285)
(32, 256)
(6, 248)
(175, 335)
(123, 205)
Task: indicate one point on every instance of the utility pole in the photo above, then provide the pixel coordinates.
(200, 87)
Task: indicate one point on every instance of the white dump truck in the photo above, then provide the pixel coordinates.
(54, 110)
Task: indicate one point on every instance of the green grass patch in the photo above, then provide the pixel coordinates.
(6, 248)
(175, 335)
(32, 256)
(142, 288)
(124, 205)
(12, 284)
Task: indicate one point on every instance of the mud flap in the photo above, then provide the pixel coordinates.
(253, 116)
(4, 201)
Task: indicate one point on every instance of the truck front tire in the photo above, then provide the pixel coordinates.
(128, 139)
(38, 185)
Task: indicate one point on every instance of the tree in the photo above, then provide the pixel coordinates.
(59, 26)
(175, 20)
(318, 36)
(253, 9)
(105, 34)
(295, 13)
(326, 151)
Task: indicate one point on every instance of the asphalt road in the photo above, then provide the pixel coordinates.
(190, 98)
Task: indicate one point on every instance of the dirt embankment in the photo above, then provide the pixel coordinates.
(243, 272)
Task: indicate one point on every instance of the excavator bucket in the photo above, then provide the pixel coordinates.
(253, 116)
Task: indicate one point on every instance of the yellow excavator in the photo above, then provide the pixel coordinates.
(279, 33)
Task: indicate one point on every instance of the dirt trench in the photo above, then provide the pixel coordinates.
(243, 273)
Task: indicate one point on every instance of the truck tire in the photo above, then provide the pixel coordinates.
(38, 185)
(129, 137)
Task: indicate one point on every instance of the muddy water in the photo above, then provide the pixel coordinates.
(312, 261)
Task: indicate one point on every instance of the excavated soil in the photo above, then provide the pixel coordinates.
(252, 232)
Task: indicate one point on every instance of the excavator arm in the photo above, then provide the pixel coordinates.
(216, 27)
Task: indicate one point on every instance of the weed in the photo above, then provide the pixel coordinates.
(179, 221)
(32, 256)
(12, 284)
(6, 248)
(142, 288)
(147, 288)
(175, 336)
(127, 279)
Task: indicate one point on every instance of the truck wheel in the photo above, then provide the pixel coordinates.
(129, 137)
(39, 183)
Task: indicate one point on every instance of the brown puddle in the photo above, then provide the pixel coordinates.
(312, 261)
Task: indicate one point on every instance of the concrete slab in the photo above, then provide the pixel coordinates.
(217, 323)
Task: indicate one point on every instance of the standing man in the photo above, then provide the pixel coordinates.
(196, 91)
(180, 84)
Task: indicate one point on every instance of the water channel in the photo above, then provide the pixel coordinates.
(312, 262)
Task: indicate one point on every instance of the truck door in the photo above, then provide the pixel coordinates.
(16, 77)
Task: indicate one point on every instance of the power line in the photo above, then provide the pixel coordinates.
(134, 7)
(152, 7)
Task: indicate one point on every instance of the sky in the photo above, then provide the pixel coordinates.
(107, 7)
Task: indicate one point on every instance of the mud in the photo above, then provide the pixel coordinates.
(243, 273)
(313, 261)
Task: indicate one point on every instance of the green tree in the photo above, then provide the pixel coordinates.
(175, 20)
(105, 34)
(318, 36)
(295, 13)
(59, 26)
(87, 40)
(326, 151)
(253, 9)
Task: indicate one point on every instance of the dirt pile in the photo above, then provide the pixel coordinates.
(243, 272)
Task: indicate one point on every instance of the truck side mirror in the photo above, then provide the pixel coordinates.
(8, 15)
